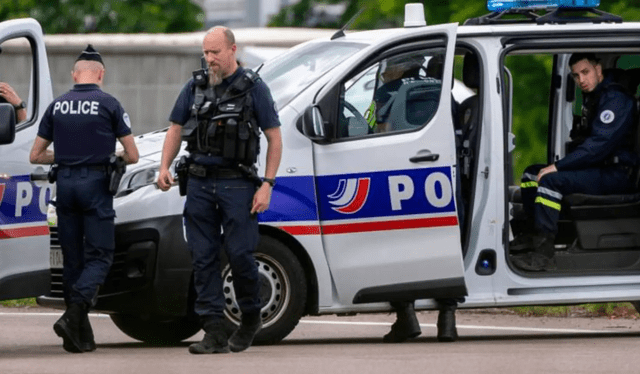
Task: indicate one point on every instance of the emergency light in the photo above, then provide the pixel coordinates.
(502, 5)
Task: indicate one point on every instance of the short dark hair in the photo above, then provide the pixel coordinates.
(577, 57)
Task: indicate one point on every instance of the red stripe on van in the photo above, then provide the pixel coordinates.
(350, 228)
(21, 232)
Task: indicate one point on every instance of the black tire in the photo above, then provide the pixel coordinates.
(283, 291)
(155, 329)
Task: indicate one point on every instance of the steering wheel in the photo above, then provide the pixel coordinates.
(360, 121)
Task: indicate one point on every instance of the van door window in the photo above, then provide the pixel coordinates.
(398, 93)
(16, 64)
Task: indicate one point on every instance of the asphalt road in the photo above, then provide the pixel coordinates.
(489, 343)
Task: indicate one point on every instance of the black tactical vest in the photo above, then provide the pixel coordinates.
(223, 123)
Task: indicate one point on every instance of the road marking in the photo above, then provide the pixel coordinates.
(364, 323)
(469, 327)
(47, 314)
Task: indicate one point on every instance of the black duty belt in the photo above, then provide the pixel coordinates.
(88, 167)
(214, 171)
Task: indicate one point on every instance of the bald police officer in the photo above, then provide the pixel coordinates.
(219, 113)
(84, 124)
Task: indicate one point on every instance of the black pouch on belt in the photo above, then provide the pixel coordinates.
(230, 139)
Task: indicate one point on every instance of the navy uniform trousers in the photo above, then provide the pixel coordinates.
(542, 200)
(86, 230)
(215, 203)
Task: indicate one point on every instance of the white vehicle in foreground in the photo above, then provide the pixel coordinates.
(360, 218)
(24, 236)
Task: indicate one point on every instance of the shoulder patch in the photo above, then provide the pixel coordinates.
(127, 121)
(607, 116)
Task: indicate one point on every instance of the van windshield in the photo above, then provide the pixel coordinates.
(290, 73)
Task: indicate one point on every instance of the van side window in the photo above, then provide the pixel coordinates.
(398, 93)
(16, 64)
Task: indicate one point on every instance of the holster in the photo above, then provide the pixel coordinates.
(182, 171)
(116, 169)
(52, 175)
(251, 172)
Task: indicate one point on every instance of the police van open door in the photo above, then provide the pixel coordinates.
(24, 234)
(384, 161)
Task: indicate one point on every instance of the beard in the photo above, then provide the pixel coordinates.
(215, 77)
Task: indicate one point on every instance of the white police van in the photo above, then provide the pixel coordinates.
(361, 217)
(24, 236)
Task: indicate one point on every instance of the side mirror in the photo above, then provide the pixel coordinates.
(313, 125)
(7, 123)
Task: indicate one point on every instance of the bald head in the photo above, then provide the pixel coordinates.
(219, 50)
(88, 72)
(217, 31)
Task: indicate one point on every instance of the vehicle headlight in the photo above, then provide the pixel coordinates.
(138, 179)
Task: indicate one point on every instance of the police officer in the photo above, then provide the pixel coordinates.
(219, 117)
(600, 161)
(84, 124)
(395, 72)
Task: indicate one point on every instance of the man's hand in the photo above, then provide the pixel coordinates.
(9, 94)
(165, 179)
(261, 199)
(546, 170)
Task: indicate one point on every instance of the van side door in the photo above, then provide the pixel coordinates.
(386, 174)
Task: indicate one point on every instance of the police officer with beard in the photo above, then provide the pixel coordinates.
(84, 124)
(600, 161)
(220, 117)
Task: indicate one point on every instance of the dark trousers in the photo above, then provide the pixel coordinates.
(214, 204)
(542, 200)
(86, 231)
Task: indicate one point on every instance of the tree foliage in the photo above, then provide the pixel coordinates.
(108, 16)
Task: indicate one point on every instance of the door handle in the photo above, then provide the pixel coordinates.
(425, 157)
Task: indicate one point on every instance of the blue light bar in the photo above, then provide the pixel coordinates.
(502, 5)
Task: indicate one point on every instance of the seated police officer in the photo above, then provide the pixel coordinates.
(219, 113)
(84, 124)
(395, 72)
(599, 162)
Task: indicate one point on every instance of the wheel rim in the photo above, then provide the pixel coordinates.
(274, 291)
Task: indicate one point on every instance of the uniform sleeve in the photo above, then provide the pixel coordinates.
(45, 130)
(608, 130)
(265, 108)
(182, 108)
(122, 122)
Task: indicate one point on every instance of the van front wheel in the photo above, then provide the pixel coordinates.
(283, 291)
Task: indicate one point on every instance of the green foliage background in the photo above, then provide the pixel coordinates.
(107, 16)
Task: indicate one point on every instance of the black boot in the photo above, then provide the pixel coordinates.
(406, 325)
(242, 338)
(87, 340)
(215, 338)
(68, 327)
(447, 331)
(542, 258)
